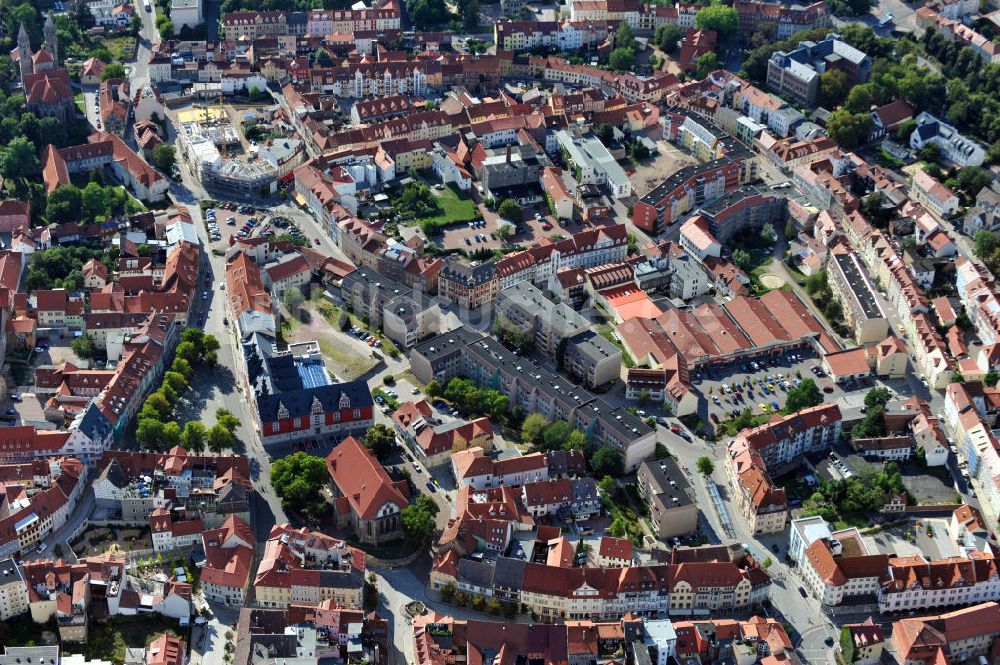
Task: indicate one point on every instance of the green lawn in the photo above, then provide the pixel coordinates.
(347, 364)
(455, 207)
(121, 48)
(108, 641)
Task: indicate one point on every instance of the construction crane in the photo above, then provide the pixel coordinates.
(222, 130)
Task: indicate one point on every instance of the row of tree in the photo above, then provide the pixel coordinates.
(156, 427)
(478, 602)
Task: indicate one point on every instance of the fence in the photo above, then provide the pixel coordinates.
(939, 510)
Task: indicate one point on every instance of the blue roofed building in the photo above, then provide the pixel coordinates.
(295, 398)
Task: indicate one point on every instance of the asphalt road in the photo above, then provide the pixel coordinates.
(802, 613)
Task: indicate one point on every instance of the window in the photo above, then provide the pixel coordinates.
(274, 427)
(357, 414)
(297, 423)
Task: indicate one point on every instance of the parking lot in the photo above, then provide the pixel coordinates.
(761, 384)
(243, 221)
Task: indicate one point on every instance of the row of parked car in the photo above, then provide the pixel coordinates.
(366, 337)
(212, 224)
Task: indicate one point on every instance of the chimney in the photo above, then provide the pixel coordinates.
(508, 154)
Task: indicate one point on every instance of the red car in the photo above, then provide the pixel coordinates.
(675, 429)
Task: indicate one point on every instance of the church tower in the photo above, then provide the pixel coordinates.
(51, 43)
(24, 54)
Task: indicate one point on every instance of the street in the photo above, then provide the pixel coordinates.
(802, 613)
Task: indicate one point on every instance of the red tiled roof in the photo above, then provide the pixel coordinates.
(361, 479)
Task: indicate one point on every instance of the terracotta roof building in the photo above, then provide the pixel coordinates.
(300, 566)
(366, 498)
(433, 442)
(947, 638)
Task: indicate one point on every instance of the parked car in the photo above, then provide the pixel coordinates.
(431, 487)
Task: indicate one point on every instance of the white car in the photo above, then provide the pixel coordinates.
(41, 548)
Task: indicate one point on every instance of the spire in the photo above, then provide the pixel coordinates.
(51, 42)
(24, 54)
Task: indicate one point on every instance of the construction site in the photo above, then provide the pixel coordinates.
(211, 143)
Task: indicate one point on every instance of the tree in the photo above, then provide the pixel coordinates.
(575, 440)
(493, 606)
(742, 258)
(470, 15)
(171, 434)
(623, 37)
(149, 432)
(877, 397)
(381, 440)
(666, 37)
(705, 466)
(721, 18)
(860, 99)
(64, 205)
(971, 179)
(433, 389)
(985, 243)
(298, 478)
(159, 405)
(504, 232)
(448, 592)
(991, 378)
(705, 64)
(225, 418)
(510, 209)
(555, 435)
(84, 347)
(790, 229)
(182, 367)
(607, 461)
(19, 159)
(164, 26)
(194, 435)
(533, 427)
(768, 234)
(113, 71)
(188, 351)
(930, 152)
(175, 380)
(293, 298)
(418, 519)
(606, 133)
(620, 59)
(849, 129)
(164, 157)
(803, 396)
(219, 438)
(94, 199)
(833, 87)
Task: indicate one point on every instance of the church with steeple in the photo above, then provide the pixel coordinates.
(46, 86)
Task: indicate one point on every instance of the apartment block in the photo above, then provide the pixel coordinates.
(863, 311)
(667, 493)
(537, 390)
(797, 73)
